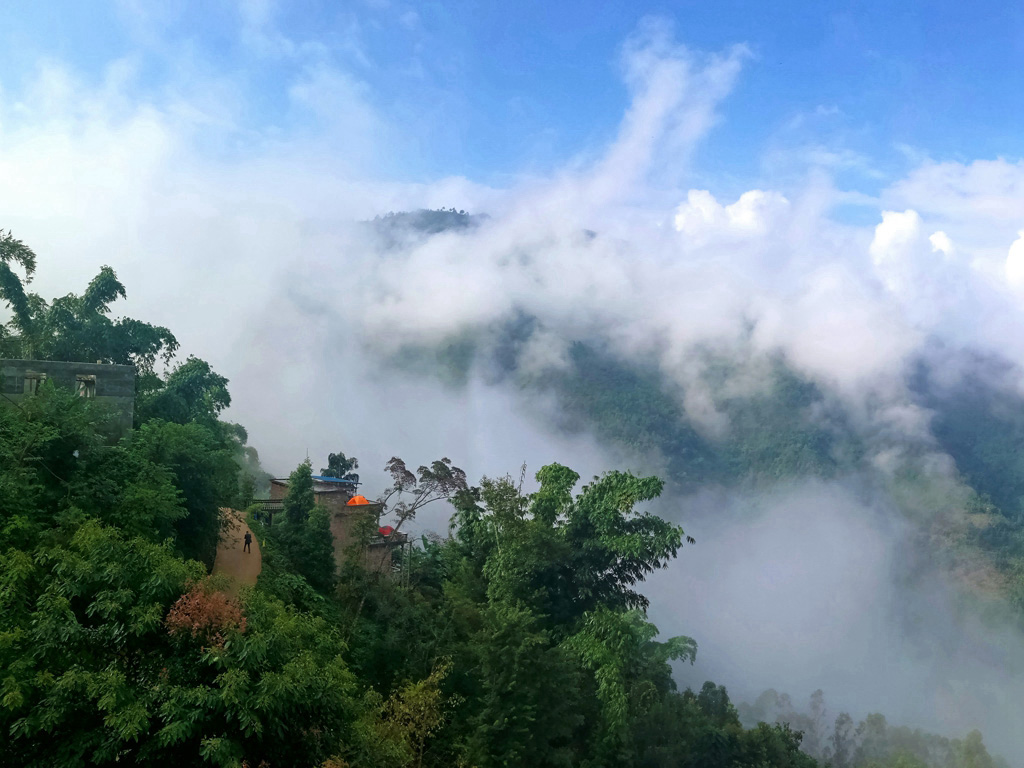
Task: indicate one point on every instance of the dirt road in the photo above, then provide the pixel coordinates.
(243, 567)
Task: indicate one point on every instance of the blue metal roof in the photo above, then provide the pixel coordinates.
(322, 479)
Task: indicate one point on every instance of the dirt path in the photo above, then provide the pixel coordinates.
(243, 567)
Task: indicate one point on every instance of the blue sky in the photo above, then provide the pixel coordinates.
(766, 160)
(495, 90)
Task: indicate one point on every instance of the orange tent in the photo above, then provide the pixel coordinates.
(357, 501)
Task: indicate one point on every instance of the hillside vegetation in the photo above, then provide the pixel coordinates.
(521, 639)
(761, 422)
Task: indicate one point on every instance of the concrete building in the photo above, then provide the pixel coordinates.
(112, 386)
(354, 521)
(330, 492)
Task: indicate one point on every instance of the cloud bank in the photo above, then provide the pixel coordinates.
(244, 239)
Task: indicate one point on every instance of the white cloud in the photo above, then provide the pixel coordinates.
(104, 177)
(836, 329)
(1015, 263)
(342, 108)
(701, 216)
(978, 202)
(941, 243)
(250, 257)
(674, 99)
(894, 236)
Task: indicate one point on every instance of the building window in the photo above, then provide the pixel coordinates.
(86, 386)
(33, 381)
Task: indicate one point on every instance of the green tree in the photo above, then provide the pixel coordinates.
(521, 713)
(79, 328)
(38, 444)
(618, 646)
(567, 555)
(971, 752)
(279, 692)
(304, 536)
(191, 392)
(204, 471)
(402, 726)
(550, 577)
(93, 672)
(12, 287)
(410, 492)
(81, 644)
(300, 500)
(340, 466)
(841, 744)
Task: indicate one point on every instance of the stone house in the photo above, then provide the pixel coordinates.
(113, 386)
(352, 516)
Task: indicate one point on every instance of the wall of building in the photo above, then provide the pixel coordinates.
(278, 489)
(114, 389)
(346, 524)
(333, 500)
(378, 554)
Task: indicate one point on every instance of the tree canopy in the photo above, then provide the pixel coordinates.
(341, 466)
(520, 638)
(76, 328)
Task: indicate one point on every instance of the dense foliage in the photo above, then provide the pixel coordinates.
(520, 639)
(870, 743)
(748, 420)
(394, 229)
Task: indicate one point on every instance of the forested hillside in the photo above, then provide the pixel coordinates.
(765, 422)
(519, 639)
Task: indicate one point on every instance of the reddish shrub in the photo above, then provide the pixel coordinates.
(205, 615)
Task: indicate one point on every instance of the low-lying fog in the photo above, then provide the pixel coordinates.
(817, 585)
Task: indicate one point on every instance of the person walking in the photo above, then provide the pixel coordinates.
(248, 542)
